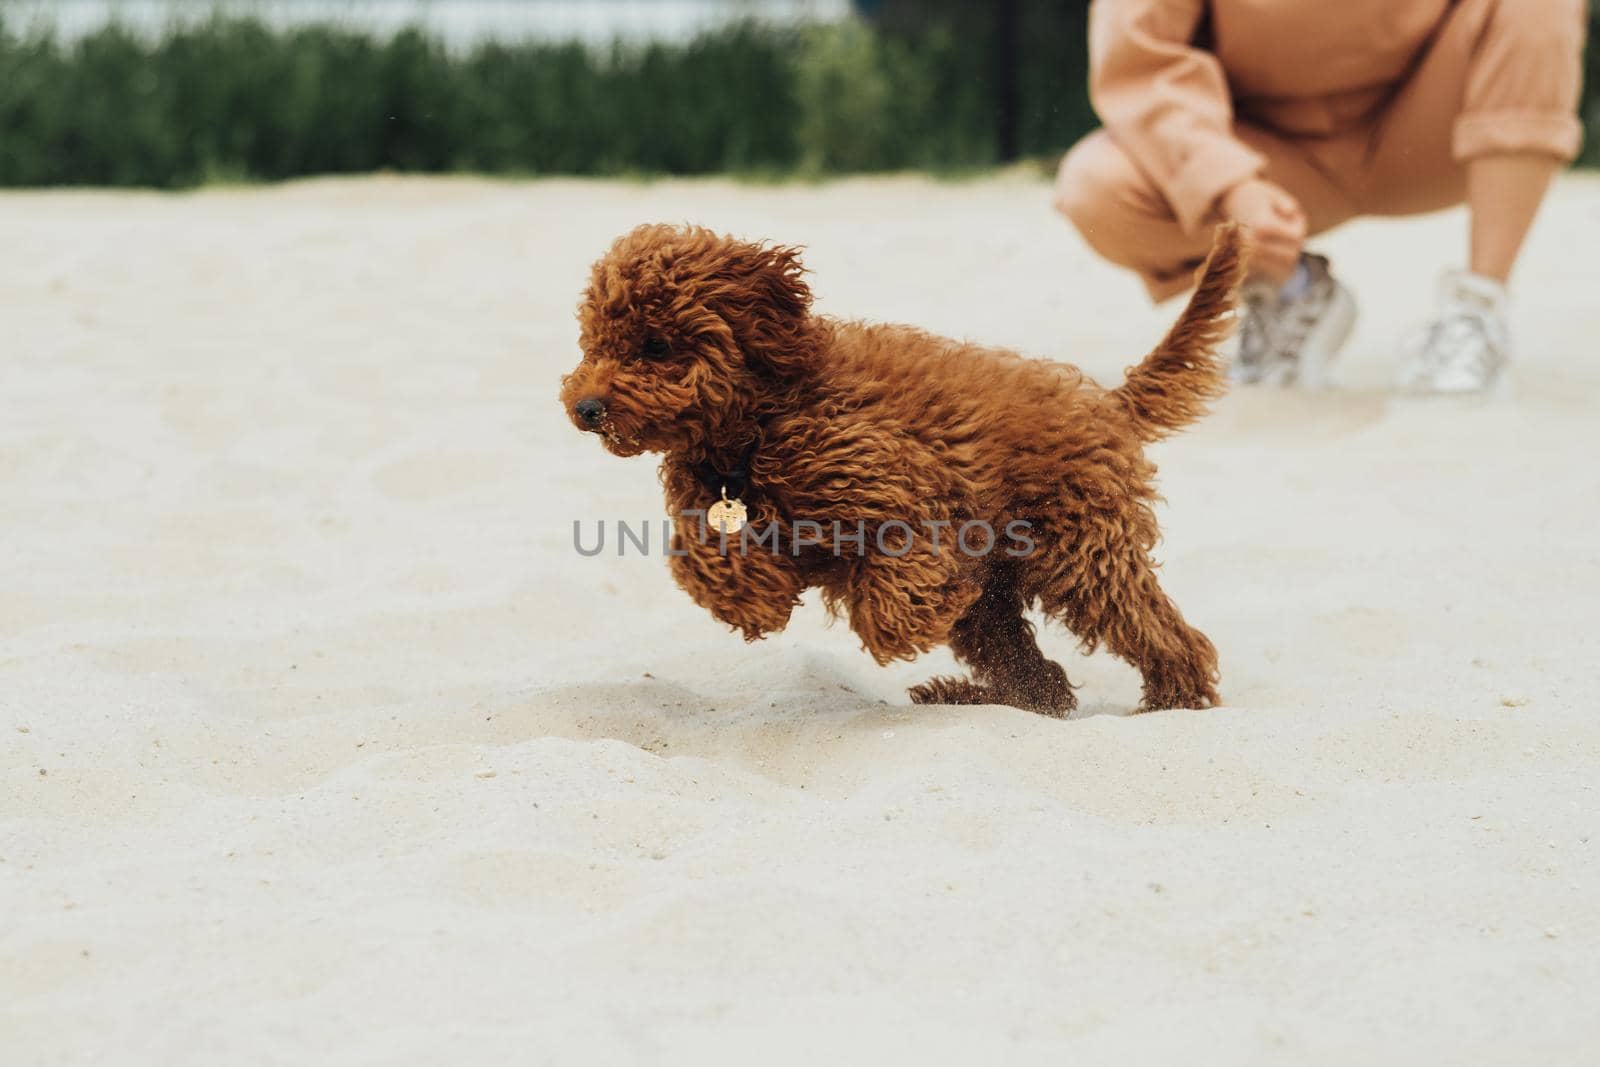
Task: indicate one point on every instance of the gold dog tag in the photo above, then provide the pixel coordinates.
(727, 515)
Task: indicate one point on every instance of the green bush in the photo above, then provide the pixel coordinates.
(871, 100)
(844, 95)
(231, 98)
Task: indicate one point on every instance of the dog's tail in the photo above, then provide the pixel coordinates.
(1176, 381)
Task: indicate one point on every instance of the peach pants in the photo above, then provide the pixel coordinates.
(1501, 77)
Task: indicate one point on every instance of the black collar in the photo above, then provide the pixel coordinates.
(730, 482)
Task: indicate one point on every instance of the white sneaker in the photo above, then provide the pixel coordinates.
(1463, 352)
(1293, 340)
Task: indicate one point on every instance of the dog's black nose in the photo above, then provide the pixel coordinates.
(590, 411)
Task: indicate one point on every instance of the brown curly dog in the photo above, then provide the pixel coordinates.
(704, 349)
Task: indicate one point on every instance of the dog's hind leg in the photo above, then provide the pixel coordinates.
(996, 640)
(1112, 597)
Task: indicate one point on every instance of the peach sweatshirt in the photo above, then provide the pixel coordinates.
(1167, 77)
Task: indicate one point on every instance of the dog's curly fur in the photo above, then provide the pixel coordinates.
(704, 348)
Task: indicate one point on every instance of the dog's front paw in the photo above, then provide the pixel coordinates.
(1045, 690)
(1056, 702)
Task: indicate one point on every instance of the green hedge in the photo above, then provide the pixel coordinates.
(231, 98)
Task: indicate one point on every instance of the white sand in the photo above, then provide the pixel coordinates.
(322, 745)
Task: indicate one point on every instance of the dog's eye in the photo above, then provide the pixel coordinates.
(655, 348)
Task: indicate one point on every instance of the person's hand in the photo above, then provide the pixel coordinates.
(1277, 222)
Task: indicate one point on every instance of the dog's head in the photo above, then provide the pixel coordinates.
(687, 336)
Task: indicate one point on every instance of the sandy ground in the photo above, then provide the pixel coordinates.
(320, 742)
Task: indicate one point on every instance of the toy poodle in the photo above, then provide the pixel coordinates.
(934, 490)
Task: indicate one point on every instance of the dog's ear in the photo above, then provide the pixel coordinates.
(770, 309)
